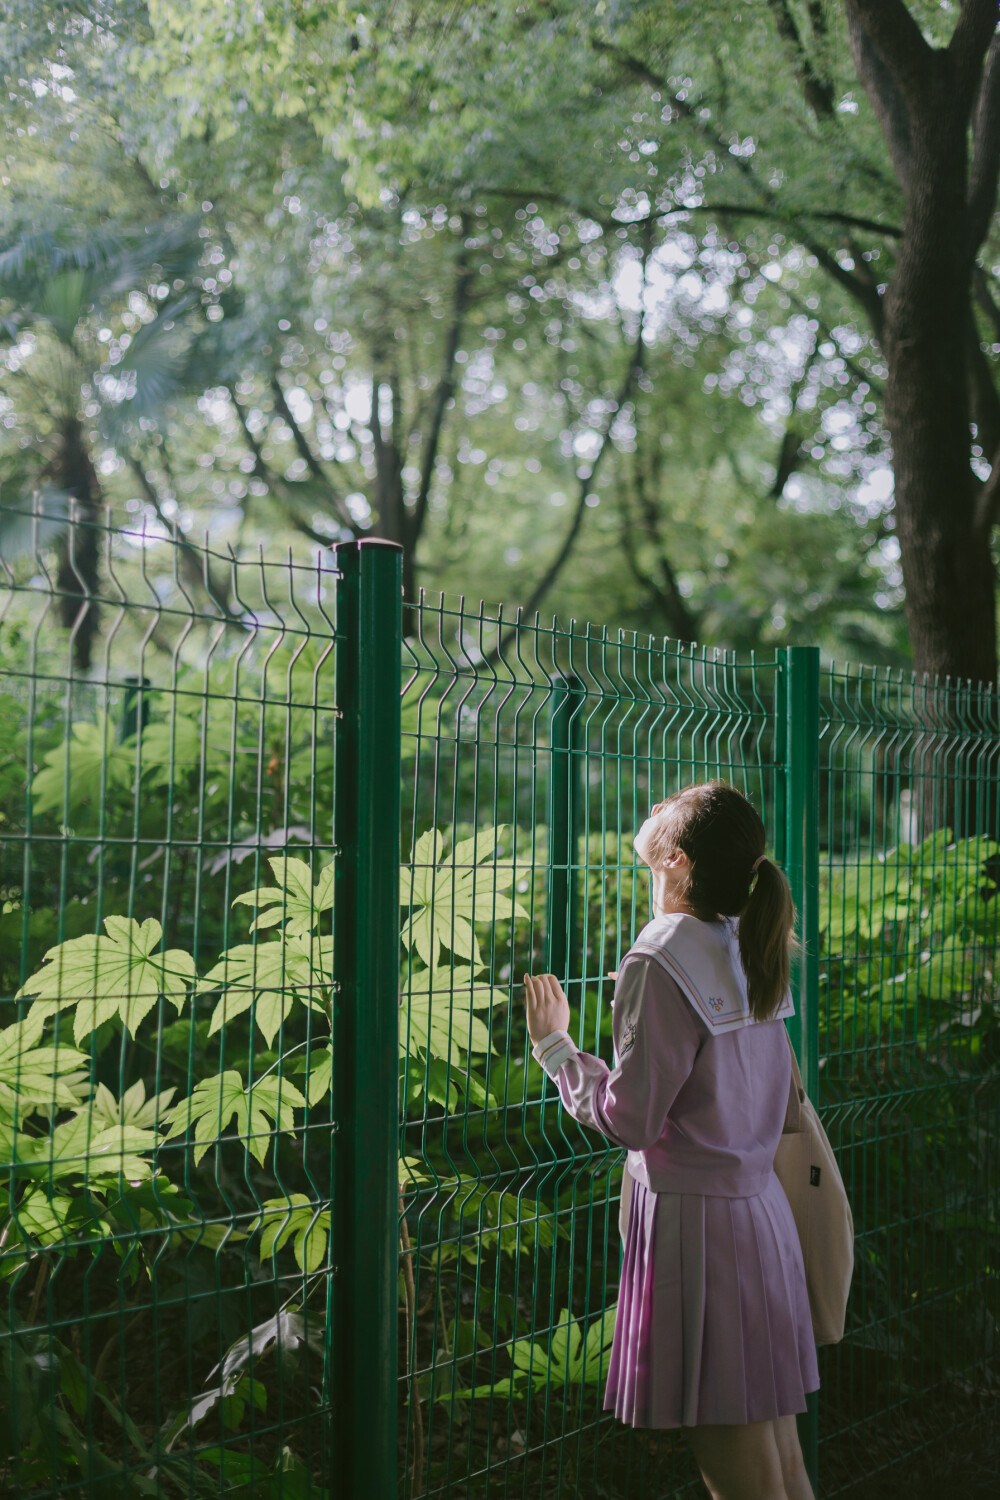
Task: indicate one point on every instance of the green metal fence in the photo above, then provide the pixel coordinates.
(218, 1279)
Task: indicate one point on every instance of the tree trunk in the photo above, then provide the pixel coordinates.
(72, 472)
(947, 569)
(393, 520)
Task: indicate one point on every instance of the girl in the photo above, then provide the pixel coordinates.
(713, 1331)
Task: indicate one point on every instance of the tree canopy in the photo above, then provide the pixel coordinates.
(583, 305)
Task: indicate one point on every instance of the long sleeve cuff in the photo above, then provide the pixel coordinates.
(554, 1050)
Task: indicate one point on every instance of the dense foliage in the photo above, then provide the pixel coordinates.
(475, 277)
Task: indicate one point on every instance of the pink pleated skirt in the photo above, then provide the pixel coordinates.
(713, 1317)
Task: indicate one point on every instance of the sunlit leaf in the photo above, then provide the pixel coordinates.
(294, 898)
(113, 975)
(270, 976)
(258, 1112)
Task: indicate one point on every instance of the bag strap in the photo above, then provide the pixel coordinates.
(797, 1076)
(792, 1117)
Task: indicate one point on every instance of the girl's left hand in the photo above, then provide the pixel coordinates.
(546, 1006)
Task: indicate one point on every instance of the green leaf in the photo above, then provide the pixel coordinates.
(108, 976)
(569, 1361)
(294, 898)
(217, 1102)
(298, 1219)
(37, 1079)
(179, 748)
(437, 1017)
(133, 1108)
(948, 969)
(320, 1075)
(270, 976)
(446, 897)
(83, 1148)
(90, 755)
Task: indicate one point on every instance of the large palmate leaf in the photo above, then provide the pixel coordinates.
(87, 1149)
(174, 749)
(269, 976)
(217, 1102)
(570, 1360)
(294, 897)
(104, 976)
(36, 1079)
(81, 767)
(298, 1219)
(448, 896)
(438, 1012)
(288, 1334)
(132, 1109)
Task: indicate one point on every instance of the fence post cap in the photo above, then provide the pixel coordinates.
(366, 542)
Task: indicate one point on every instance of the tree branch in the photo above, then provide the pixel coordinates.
(679, 619)
(984, 401)
(309, 458)
(816, 91)
(635, 364)
(988, 502)
(855, 286)
(791, 441)
(974, 29)
(443, 393)
(985, 148)
(280, 486)
(763, 211)
(894, 36)
(984, 297)
(884, 94)
(195, 561)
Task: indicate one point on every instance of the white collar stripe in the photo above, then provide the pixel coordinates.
(703, 959)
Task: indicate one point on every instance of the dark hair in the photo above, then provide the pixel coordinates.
(723, 837)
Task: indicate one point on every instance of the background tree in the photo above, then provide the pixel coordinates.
(453, 209)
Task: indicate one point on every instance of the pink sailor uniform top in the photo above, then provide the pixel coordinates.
(712, 1323)
(695, 1118)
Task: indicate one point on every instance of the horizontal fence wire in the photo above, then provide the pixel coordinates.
(909, 1080)
(531, 755)
(165, 833)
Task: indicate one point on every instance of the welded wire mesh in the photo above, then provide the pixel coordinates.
(531, 754)
(165, 833)
(909, 1082)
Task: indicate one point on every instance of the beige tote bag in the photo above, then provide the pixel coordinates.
(807, 1169)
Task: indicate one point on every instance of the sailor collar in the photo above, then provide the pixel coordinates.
(704, 960)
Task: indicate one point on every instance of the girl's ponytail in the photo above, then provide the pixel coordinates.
(765, 935)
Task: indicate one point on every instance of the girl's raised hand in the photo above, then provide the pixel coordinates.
(546, 1006)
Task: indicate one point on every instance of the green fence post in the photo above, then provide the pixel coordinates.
(564, 812)
(363, 1331)
(798, 848)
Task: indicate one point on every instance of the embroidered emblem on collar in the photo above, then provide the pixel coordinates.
(628, 1038)
(716, 1002)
